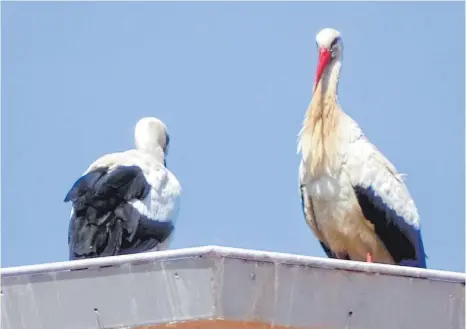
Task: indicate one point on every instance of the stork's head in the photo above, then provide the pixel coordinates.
(330, 49)
(151, 134)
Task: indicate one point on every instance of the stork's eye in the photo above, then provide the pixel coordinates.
(334, 43)
(334, 47)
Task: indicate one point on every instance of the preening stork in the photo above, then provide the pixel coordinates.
(353, 198)
(126, 202)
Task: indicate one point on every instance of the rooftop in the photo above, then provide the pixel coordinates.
(223, 288)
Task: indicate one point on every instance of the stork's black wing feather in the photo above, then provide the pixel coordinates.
(103, 222)
(403, 241)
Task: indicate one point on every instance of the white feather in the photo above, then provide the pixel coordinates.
(368, 167)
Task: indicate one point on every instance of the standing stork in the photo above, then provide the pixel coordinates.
(126, 202)
(353, 198)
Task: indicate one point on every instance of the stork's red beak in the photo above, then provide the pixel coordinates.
(324, 58)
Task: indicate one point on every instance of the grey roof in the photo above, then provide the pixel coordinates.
(220, 283)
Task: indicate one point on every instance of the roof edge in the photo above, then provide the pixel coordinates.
(338, 264)
(246, 254)
(107, 261)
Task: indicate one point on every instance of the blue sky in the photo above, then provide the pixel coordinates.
(232, 81)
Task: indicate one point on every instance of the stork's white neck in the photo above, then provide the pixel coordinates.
(149, 143)
(155, 151)
(328, 85)
(319, 137)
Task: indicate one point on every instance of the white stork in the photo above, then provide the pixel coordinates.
(126, 202)
(353, 198)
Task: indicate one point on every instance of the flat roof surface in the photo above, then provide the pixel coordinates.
(223, 288)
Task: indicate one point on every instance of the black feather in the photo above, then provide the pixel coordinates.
(388, 227)
(103, 222)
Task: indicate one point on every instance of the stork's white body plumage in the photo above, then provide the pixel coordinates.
(354, 200)
(126, 202)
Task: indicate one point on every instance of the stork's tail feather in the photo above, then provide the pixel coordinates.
(89, 240)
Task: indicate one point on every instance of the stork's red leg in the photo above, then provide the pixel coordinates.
(369, 257)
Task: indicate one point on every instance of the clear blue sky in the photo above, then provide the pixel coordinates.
(232, 81)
